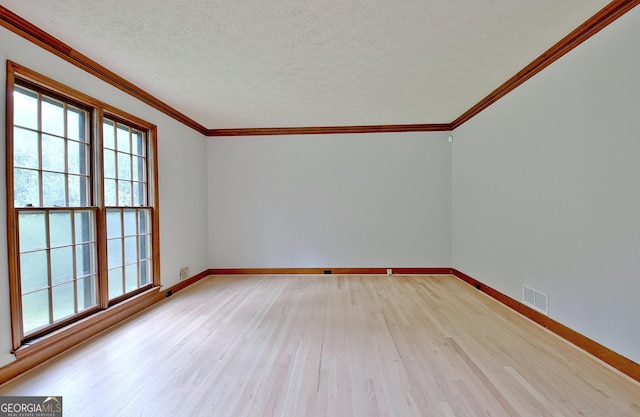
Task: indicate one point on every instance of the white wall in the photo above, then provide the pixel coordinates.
(182, 172)
(359, 200)
(546, 189)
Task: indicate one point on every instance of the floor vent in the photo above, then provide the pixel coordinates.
(184, 273)
(535, 299)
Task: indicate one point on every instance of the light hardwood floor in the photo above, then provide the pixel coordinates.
(330, 345)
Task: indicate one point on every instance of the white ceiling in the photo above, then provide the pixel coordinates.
(309, 63)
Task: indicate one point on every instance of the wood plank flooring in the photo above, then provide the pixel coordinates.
(330, 345)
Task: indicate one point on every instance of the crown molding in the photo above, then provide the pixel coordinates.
(34, 34)
(328, 130)
(597, 22)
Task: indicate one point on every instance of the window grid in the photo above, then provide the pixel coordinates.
(128, 250)
(50, 180)
(55, 162)
(81, 274)
(125, 165)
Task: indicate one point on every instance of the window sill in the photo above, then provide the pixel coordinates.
(52, 344)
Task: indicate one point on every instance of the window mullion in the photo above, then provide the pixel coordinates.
(49, 272)
(15, 292)
(74, 255)
(117, 163)
(40, 162)
(98, 201)
(65, 127)
(122, 252)
(138, 254)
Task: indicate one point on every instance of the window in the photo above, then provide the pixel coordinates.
(128, 213)
(57, 265)
(82, 205)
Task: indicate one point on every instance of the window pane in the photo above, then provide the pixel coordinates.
(145, 273)
(61, 265)
(139, 194)
(124, 141)
(84, 226)
(108, 138)
(124, 193)
(78, 191)
(137, 143)
(110, 193)
(114, 224)
(115, 283)
(87, 297)
(63, 301)
(109, 164)
(145, 246)
(52, 116)
(124, 166)
(25, 148)
(34, 273)
(114, 252)
(131, 277)
(25, 108)
(32, 230)
(130, 227)
(60, 228)
(76, 124)
(143, 221)
(53, 190)
(35, 310)
(138, 171)
(53, 153)
(85, 260)
(26, 185)
(77, 157)
(130, 250)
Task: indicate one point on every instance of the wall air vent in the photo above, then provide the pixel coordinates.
(535, 299)
(184, 273)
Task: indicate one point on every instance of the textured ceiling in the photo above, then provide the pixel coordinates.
(296, 63)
